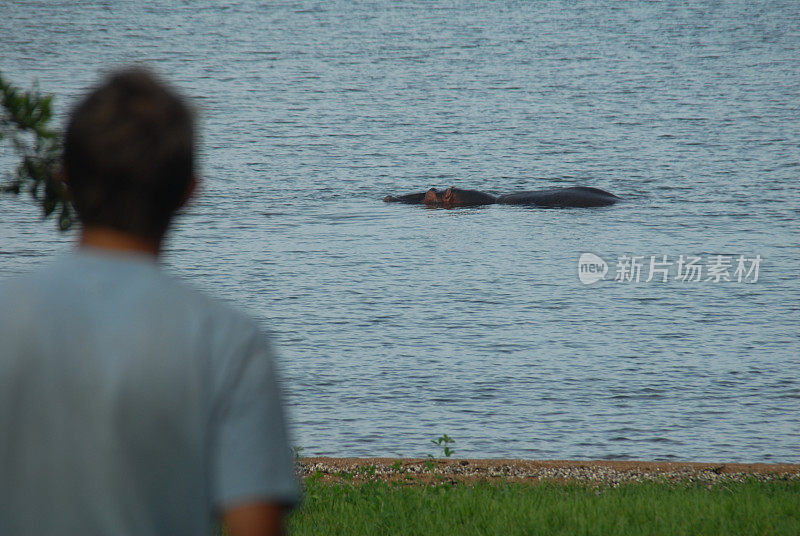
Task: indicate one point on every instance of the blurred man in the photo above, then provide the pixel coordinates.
(130, 403)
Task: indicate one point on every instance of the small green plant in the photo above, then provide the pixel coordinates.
(444, 443)
(296, 451)
(430, 464)
(397, 466)
(25, 127)
(313, 477)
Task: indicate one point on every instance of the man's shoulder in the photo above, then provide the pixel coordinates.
(79, 279)
(25, 291)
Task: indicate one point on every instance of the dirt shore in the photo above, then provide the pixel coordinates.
(458, 470)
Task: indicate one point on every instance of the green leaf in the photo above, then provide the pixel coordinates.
(24, 127)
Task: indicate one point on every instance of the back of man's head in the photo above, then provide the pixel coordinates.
(129, 154)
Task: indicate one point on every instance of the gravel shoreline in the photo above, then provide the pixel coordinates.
(613, 473)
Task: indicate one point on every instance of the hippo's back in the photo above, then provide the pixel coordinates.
(574, 196)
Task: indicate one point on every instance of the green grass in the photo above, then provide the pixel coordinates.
(751, 507)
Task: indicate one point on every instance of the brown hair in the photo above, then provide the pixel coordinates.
(129, 154)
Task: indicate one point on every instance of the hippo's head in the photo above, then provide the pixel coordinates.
(434, 198)
(456, 197)
(451, 198)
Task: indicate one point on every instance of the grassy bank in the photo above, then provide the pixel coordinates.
(668, 508)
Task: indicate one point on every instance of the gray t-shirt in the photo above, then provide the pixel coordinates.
(131, 404)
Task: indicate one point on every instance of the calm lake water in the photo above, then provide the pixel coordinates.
(396, 324)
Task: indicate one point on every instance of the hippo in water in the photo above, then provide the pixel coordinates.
(575, 196)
